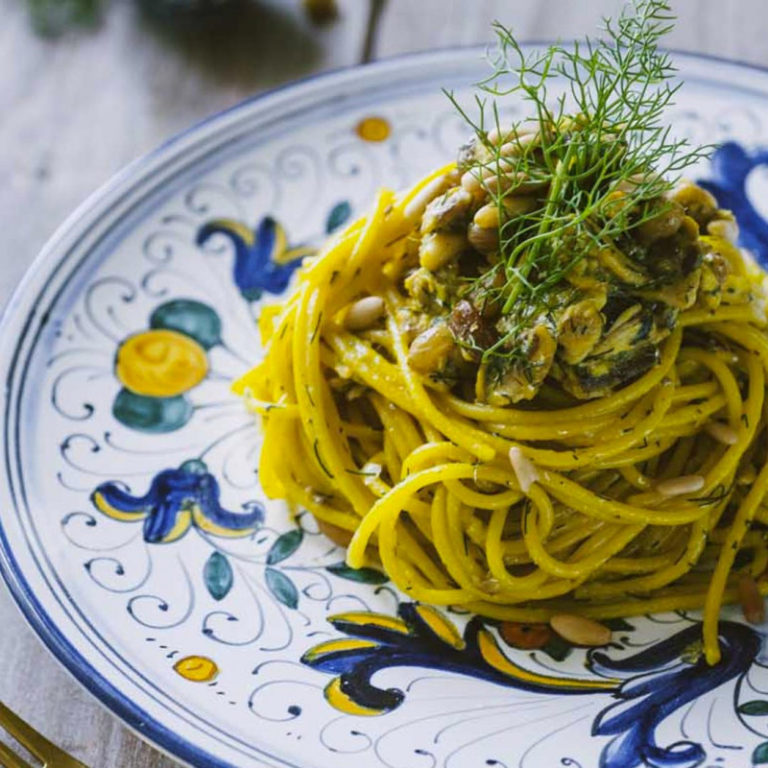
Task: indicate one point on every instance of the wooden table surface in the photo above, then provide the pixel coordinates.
(74, 110)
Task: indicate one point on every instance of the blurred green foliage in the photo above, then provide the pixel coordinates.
(51, 17)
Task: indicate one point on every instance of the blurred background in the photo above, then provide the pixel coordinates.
(87, 86)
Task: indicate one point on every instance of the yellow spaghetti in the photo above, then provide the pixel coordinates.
(607, 455)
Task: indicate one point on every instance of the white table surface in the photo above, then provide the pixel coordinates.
(74, 110)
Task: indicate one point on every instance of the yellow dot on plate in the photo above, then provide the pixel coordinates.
(197, 669)
(374, 129)
(160, 363)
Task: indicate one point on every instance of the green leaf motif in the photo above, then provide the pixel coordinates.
(282, 588)
(218, 576)
(760, 755)
(557, 648)
(756, 707)
(338, 216)
(191, 318)
(363, 575)
(284, 546)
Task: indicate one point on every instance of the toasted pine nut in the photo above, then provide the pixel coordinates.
(438, 248)
(483, 240)
(430, 349)
(518, 144)
(752, 602)
(663, 225)
(679, 486)
(723, 433)
(519, 205)
(488, 216)
(364, 313)
(580, 630)
(471, 181)
(421, 199)
(502, 134)
(492, 170)
(524, 469)
(337, 535)
(511, 183)
(631, 183)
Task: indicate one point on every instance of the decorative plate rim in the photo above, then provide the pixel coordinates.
(20, 310)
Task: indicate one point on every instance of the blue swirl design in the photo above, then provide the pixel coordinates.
(177, 500)
(263, 259)
(660, 680)
(645, 687)
(731, 164)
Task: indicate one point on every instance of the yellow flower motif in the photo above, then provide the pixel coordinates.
(160, 363)
(197, 669)
(374, 129)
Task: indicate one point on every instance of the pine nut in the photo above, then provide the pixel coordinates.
(430, 349)
(337, 535)
(518, 145)
(364, 313)
(503, 134)
(723, 433)
(631, 183)
(519, 205)
(680, 486)
(483, 240)
(472, 183)
(752, 602)
(524, 469)
(488, 216)
(664, 225)
(500, 135)
(421, 199)
(580, 630)
(511, 183)
(438, 248)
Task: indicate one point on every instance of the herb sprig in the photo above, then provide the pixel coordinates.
(603, 155)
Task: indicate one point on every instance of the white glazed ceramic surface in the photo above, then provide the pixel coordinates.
(133, 531)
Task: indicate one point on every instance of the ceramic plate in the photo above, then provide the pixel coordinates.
(137, 541)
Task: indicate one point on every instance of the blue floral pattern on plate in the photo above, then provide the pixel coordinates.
(177, 500)
(731, 167)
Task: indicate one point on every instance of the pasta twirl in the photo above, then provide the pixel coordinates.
(419, 473)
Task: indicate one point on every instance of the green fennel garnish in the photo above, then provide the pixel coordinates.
(602, 160)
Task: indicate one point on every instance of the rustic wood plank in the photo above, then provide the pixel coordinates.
(78, 109)
(734, 30)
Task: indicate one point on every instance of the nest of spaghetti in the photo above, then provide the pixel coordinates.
(598, 450)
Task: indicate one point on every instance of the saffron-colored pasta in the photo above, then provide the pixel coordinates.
(421, 478)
